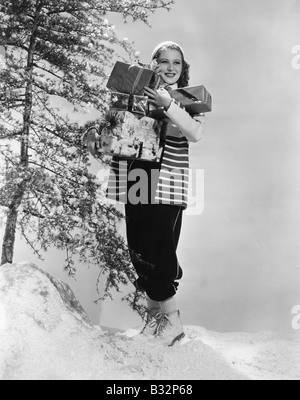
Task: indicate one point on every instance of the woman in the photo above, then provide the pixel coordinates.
(154, 222)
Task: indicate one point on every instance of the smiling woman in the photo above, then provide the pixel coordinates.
(153, 224)
(172, 65)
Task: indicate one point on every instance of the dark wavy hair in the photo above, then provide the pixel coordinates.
(184, 79)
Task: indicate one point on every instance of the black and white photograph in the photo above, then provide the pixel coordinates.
(149, 193)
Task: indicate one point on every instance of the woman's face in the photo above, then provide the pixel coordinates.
(171, 65)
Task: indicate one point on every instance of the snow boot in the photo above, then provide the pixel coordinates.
(152, 322)
(170, 329)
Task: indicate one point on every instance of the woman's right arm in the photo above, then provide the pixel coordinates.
(191, 127)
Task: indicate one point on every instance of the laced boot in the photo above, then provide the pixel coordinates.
(152, 322)
(170, 329)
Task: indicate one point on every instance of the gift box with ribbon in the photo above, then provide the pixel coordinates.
(132, 79)
(194, 99)
(130, 136)
(127, 102)
(127, 85)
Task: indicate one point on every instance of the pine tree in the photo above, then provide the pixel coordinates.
(55, 52)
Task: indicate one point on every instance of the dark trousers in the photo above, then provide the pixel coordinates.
(153, 233)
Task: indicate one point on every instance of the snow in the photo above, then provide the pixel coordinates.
(46, 335)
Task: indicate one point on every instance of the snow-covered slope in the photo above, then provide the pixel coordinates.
(45, 334)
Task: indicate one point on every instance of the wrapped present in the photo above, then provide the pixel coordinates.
(131, 136)
(127, 102)
(194, 99)
(140, 105)
(119, 101)
(132, 79)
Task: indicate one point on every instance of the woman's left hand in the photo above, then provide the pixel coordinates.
(160, 97)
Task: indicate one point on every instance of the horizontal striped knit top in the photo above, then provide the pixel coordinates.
(171, 184)
(174, 173)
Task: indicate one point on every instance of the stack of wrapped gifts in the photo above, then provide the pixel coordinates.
(132, 129)
(131, 136)
(130, 133)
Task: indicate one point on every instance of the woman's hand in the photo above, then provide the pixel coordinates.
(160, 97)
(156, 67)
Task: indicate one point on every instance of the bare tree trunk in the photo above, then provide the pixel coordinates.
(11, 227)
(12, 217)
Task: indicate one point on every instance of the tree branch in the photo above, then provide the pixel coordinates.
(49, 72)
(56, 173)
(9, 135)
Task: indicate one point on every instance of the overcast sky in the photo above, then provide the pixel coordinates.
(241, 256)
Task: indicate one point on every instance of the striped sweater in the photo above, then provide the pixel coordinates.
(173, 179)
(174, 173)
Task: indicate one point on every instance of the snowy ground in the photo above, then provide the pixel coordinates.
(44, 334)
(208, 355)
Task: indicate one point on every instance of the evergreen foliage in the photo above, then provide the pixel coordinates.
(58, 53)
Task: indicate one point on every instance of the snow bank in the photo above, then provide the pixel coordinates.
(46, 335)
